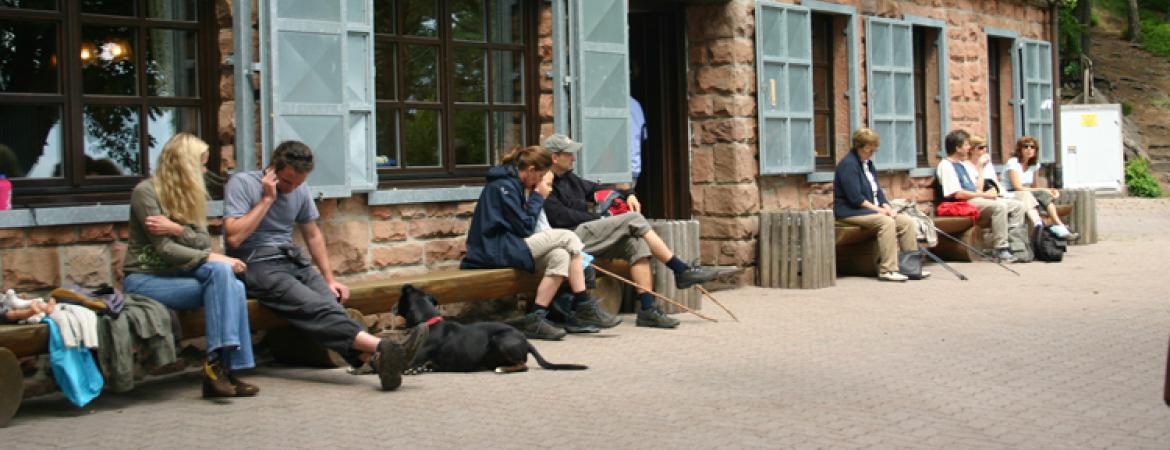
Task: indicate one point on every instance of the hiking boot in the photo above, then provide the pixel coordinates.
(243, 388)
(536, 326)
(573, 325)
(654, 317)
(414, 341)
(216, 383)
(893, 276)
(1005, 255)
(389, 364)
(696, 274)
(589, 312)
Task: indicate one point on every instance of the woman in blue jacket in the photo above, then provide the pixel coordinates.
(503, 234)
(858, 200)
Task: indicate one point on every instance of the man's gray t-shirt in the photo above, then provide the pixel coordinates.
(244, 191)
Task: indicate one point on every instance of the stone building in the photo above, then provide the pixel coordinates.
(748, 105)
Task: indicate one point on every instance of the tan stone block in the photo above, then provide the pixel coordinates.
(821, 201)
(397, 255)
(57, 235)
(30, 269)
(547, 128)
(225, 41)
(12, 237)
(353, 205)
(388, 230)
(729, 227)
(227, 121)
(546, 107)
(778, 193)
(545, 23)
(227, 86)
(86, 265)
(117, 258)
(698, 54)
(743, 79)
(735, 163)
(717, 78)
(347, 243)
(123, 231)
(383, 212)
(743, 106)
(820, 188)
(709, 251)
(433, 228)
(700, 106)
(97, 233)
(738, 253)
(465, 209)
(702, 165)
(327, 208)
(441, 209)
(413, 211)
(441, 250)
(740, 199)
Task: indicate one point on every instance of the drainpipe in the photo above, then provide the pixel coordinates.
(244, 91)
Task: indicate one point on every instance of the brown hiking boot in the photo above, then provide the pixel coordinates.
(216, 383)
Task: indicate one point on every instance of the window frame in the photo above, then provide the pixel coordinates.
(826, 23)
(74, 187)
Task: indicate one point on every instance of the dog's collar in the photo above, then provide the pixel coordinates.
(433, 320)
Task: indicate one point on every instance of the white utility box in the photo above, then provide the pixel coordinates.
(1091, 151)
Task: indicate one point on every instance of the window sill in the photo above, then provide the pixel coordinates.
(922, 172)
(78, 215)
(400, 196)
(820, 177)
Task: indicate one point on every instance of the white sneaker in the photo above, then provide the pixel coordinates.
(925, 274)
(892, 276)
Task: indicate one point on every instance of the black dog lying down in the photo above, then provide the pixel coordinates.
(455, 347)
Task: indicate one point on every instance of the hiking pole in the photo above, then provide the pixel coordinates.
(651, 292)
(717, 302)
(976, 251)
(944, 265)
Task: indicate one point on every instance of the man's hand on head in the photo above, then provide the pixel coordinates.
(268, 184)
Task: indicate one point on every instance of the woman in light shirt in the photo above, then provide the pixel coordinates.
(1019, 175)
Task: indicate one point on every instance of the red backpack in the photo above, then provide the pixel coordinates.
(609, 202)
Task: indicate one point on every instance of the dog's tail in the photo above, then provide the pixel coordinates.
(550, 366)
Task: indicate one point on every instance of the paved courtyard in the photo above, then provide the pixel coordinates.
(1066, 355)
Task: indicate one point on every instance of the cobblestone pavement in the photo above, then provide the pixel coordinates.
(1067, 355)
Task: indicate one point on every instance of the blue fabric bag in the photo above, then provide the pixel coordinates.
(74, 369)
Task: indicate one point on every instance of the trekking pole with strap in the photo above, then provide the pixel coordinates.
(975, 250)
(944, 265)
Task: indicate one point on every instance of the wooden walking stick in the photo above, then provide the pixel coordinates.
(717, 302)
(651, 291)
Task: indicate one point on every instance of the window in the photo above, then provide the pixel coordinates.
(451, 85)
(995, 96)
(922, 54)
(137, 72)
(824, 96)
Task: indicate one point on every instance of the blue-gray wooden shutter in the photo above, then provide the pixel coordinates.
(602, 89)
(784, 93)
(1037, 107)
(318, 72)
(889, 57)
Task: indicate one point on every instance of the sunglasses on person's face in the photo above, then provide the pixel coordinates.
(1029, 146)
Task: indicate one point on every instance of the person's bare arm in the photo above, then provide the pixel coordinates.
(315, 240)
(237, 229)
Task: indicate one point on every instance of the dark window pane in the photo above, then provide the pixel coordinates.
(31, 143)
(385, 69)
(28, 57)
(29, 4)
(172, 63)
(422, 66)
(508, 76)
(420, 17)
(467, 22)
(111, 141)
(165, 123)
(421, 128)
(107, 60)
(507, 133)
(110, 7)
(187, 10)
(468, 74)
(387, 138)
(471, 129)
(507, 21)
(385, 20)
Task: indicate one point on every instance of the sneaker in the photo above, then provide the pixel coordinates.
(925, 274)
(893, 276)
(589, 312)
(536, 326)
(389, 364)
(654, 317)
(1005, 255)
(696, 274)
(1060, 231)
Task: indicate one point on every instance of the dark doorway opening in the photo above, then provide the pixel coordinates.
(658, 64)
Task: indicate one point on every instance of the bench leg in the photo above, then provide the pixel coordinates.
(11, 386)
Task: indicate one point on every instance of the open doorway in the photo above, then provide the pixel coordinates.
(658, 63)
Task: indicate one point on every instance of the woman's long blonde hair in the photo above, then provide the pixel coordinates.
(178, 180)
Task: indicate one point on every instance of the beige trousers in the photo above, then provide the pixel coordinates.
(893, 234)
(553, 250)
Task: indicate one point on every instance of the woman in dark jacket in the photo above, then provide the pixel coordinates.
(503, 234)
(858, 200)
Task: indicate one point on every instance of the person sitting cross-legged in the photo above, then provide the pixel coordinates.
(627, 236)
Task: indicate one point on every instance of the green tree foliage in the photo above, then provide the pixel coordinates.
(1140, 181)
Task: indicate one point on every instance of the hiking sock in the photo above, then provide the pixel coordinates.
(541, 311)
(647, 300)
(579, 298)
(677, 265)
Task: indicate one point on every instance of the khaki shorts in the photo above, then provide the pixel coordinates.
(616, 237)
(553, 250)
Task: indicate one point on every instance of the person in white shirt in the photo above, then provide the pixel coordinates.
(958, 184)
(979, 161)
(1019, 175)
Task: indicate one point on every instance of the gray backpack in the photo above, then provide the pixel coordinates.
(1020, 244)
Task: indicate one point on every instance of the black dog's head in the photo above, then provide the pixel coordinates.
(416, 306)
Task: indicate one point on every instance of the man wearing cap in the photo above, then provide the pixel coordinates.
(627, 236)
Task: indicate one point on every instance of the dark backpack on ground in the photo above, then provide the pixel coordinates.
(1048, 247)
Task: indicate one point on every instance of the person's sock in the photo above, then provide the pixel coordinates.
(541, 311)
(580, 297)
(677, 265)
(647, 300)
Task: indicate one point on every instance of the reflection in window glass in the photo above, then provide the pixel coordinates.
(385, 21)
(29, 4)
(508, 79)
(419, 17)
(386, 80)
(107, 60)
(165, 123)
(386, 136)
(422, 66)
(507, 21)
(172, 63)
(422, 138)
(31, 144)
(466, 19)
(471, 129)
(28, 57)
(186, 10)
(111, 141)
(507, 132)
(109, 7)
(468, 77)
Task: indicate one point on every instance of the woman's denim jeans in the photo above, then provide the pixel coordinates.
(215, 287)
